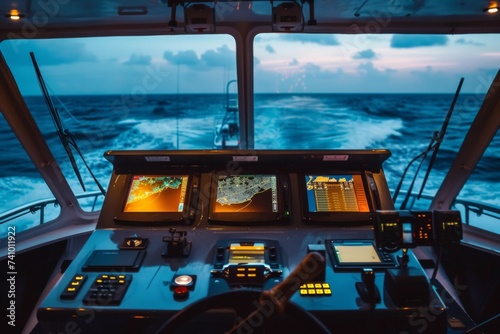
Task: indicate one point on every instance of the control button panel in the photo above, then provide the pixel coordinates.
(315, 289)
(107, 289)
(73, 287)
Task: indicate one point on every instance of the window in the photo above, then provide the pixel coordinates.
(376, 91)
(115, 93)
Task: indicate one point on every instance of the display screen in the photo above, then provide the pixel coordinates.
(336, 193)
(255, 193)
(243, 253)
(356, 253)
(156, 193)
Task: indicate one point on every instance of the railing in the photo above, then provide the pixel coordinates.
(39, 206)
(469, 208)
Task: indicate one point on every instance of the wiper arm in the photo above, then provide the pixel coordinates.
(64, 135)
(434, 145)
(439, 140)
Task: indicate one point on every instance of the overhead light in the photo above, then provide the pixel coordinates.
(287, 17)
(199, 18)
(14, 15)
(492, 8)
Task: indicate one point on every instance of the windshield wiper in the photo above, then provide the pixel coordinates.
(64, 135)
(434, 145)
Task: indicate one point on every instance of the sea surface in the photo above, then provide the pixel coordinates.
(402, 123)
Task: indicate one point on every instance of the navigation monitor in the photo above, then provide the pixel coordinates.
(155, 198)
(335, 198)
(351, 254)
(247, 198)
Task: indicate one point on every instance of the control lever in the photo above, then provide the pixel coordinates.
(367, 289)
(306, 271)
(177, 244)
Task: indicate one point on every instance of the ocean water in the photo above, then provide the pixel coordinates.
(402, 123)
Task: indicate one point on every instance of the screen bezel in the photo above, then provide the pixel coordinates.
(251, 218)
(386, 260)
(335, 217)
(160, 218)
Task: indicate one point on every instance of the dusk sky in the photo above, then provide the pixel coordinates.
(284, 63)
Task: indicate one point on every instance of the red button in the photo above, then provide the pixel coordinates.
(181, 292)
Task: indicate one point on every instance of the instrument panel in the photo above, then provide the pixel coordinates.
(179, 227)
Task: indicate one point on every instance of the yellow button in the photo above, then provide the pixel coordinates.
(121, 281)
(311, 291)
(310, 285)
(317, 285)
(98, 280)
(303, 286)
(252, 275)
(326, 286)
(319, 291)
(240, 269)
(121, 276)
(71, 289)
(328, 291)
(75, 283)
(79, 278)
(303, 291)
(252, 269)
(112, 277)
(104, 276)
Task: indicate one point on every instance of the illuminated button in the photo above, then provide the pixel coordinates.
(319, 291)
(328, 292)
(75, 283)
(71, 289)
(252, 269)
(303, 286)
(79, 278)
(317, 285)
(112, 277)
(183, 280)
(252, 275)
(181, 292)
(122, 281)
(240, 269)
(326, 286)
(98, 280)
(310, 285)
(311, 291)
(240, 275)
(104, 276)
(121, 277)
(303, 291)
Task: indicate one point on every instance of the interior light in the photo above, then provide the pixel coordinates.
(492, 10)
(14, 15)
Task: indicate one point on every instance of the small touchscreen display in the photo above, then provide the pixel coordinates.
(356, 253)
(247, 253)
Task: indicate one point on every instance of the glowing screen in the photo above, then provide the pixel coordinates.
(156, 193)
(336, 193)
(356, 253)
(242, 253)
(246, 193)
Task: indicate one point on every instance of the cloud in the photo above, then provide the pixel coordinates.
(186, 57)
(219, 57)
(51, 52)
(294, 62)
(365, 54)
(138, 60)
(463, 41)
(311, 38)
(270, 49)
(414, 41)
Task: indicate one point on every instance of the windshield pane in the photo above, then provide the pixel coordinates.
(148, 92)
(375, 91)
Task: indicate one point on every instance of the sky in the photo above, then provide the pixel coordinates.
(284, 63)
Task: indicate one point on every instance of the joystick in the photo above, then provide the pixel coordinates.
(367, 289)
(177, 244)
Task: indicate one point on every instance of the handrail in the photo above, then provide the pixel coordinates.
(40, 205)
(470, 207)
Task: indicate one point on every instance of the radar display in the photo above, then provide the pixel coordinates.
(246, 193)
(151, 193)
